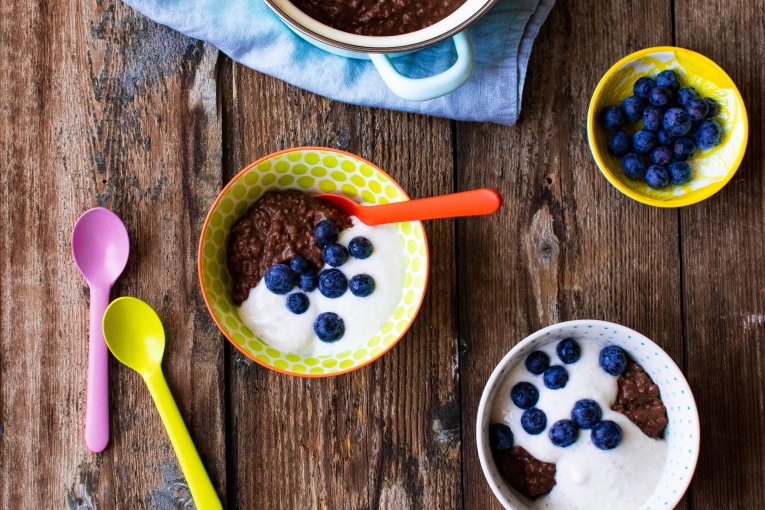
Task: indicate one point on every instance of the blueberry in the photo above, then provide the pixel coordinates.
(665, 138)
(670, 105)
(708, 135)
(652, 117)
(619, 143)
(613, 118)
(683, 149)
(534, 421)
(297, 303)
(643, 87)
(714, 107)
(662, 155)
(633, 108)
(586, 413)
(361, 285)
(677, 122)
(660, 96)
(325, 232)
(568, 351)
(334, 254)
(332, 283)
(633, 165)
(280, 279)
(606, 435)
(657, 177)
(680, 172)
(299, 264)
(668, 79)
(308, 281)
(524, 395)
(555, 377)
(697, 109)
(500, 436)
(613, 360)
(643, 141)
(329, 327)
(360, 247)
(685, 94)
(564, 433)
(537, 362)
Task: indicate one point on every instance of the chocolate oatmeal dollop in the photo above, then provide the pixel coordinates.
(275, 229)
(639, 399)
(529, 475)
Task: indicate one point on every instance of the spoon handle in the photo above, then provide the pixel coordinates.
(467, 203)
(97, 396)
(202, 490)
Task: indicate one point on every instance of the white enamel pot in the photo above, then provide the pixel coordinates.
(381, 50)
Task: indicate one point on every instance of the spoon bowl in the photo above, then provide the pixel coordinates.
(134, 334)
(100, 246)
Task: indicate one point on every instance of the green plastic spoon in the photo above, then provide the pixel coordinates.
(136, 337)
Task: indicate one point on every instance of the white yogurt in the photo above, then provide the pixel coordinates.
(267, 315)
(586, 477)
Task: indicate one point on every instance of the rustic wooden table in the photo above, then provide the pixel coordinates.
(102, 107)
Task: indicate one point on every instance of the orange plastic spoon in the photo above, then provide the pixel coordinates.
(468, 203)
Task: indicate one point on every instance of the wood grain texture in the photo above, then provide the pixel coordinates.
(566, 245)
(102, 107)
(386, 435)
(99, 106)
(724, 281)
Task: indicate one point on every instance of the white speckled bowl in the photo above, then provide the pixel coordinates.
(682, 433)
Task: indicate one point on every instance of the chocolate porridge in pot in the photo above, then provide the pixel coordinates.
(378, 17)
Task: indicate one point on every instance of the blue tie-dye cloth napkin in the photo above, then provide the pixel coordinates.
(250, 33)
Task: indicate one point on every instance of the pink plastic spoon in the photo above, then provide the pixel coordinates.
(467, 203)
(100, 247)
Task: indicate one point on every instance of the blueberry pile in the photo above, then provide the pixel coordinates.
(332, 283)
(586, 414)
(675, 122)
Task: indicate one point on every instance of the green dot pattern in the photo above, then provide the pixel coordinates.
(307, 171)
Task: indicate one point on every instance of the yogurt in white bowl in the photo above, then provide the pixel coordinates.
(641, 473)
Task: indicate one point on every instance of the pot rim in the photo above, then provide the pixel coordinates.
(295, 25)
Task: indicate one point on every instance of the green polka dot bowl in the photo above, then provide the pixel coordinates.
(312, 170)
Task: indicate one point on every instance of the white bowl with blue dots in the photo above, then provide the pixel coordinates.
(681, 434)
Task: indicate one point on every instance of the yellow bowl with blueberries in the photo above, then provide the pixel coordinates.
(311, 170)
(710, 169)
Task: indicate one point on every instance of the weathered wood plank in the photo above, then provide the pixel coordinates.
(388, 434)
(120, 112)
(102, 107)
(566, 245)
(724, 282)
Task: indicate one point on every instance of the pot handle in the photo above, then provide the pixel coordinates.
(432, 87)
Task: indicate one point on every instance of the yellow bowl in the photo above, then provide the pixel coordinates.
(712, 169)
(312, 170)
